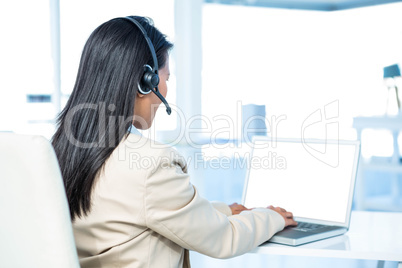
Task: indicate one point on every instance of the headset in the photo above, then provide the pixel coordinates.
(150, 79)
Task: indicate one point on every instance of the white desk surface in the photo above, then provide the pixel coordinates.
(371, 236)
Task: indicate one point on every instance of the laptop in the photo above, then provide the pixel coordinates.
(314, 179)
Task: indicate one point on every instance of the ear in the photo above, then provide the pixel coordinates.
(140, 95)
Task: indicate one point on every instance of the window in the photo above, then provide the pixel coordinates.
(26, 67)
(296, 62)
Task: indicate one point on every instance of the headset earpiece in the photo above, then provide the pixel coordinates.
(149, 80)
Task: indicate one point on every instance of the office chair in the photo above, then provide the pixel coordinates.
(35, 225)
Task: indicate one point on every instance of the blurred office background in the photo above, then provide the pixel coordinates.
(232, 59)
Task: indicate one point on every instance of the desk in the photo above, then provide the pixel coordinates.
(372, 236)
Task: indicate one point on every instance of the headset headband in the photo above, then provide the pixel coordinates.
(149, 42)
(151, 77)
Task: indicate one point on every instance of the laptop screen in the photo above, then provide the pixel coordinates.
(312, 179)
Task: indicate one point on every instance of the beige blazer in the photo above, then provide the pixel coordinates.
(146, 213)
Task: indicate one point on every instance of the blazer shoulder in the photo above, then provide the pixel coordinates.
(139, 147)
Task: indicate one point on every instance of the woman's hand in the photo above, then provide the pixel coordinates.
(288, 216)
(237, 208)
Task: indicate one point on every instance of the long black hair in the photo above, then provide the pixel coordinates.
(100, 109)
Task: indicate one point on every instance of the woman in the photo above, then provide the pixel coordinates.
(126, 213)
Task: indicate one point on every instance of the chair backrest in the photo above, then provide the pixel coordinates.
(35, 224)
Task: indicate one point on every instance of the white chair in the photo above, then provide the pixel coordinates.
(35, 225)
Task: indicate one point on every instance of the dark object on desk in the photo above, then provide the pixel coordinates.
(390, 72)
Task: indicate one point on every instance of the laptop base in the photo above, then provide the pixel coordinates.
(293, 237)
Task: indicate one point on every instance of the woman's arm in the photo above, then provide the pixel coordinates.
(174, 209)
(222, 208)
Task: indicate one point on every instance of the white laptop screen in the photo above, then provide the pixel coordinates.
(313, 180)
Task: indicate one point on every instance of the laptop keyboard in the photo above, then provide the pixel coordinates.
(307, 227)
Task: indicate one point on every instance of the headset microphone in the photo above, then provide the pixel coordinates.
(150, 79)
(157, 93)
